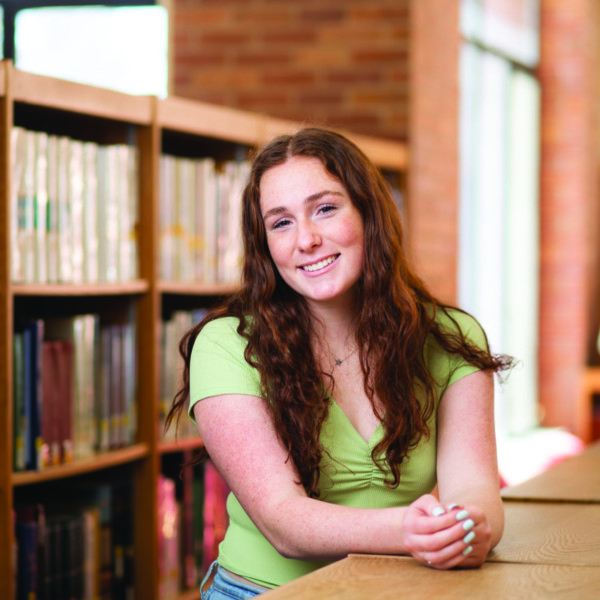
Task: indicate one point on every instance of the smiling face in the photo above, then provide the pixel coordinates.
(315, 233)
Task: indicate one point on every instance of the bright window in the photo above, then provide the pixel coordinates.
(122, 48)
(499, 193)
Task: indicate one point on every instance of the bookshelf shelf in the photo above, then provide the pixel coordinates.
(39, 90)
(96, 289)
(89, 465)
(154, 128)
(182, 445)
(196, 289)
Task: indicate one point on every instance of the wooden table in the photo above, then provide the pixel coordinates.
(550, 549)
(361, 577)
(550, 533)
(575, 479)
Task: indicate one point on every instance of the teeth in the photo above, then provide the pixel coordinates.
(320, 265)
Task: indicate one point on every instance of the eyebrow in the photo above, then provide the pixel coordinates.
(308, 200)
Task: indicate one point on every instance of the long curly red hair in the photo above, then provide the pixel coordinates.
(395, 317)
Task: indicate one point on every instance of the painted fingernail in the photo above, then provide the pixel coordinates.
(452, 506)
(469, 537)
(467, 550)
(437, 511)
(468, 524)
(463, 514)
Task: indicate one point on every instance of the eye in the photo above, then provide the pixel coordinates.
(280, 224)
(326, 208)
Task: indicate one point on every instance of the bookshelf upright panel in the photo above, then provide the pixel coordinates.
(6, 324)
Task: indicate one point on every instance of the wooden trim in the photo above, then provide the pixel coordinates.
(93, 289)
(6, 336)
(182, 445)
(255, 129)
(197, 289)
(149, 314)
(3, 77)
(94, 463)
(590, 385)
(198, 118)
(80, 98)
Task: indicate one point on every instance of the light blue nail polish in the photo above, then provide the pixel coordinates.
(463, 514)
(469, 537)
(468, 524)
(467, 550)
(452, 506)
(437, 511)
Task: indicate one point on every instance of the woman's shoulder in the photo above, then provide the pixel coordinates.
(220, 326)
(455, 321)
(221, 331)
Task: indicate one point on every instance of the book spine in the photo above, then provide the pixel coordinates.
(134, 209)
(76, 202)
(26, 205)
(27, 560)
(17, 167)
(52, 211)
(90, 212)
(67, 370)
(49, 411)
(209, 202)
(198, 528)
(19, 414)
(187, 530)
(166, 217)
(112, 174)
(116, 407)
(104, 390)
(40, 206)
(124, 213)
(198, 223)
(129, 382)
(64, 219)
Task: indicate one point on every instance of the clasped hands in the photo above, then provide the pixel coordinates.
(443, 537)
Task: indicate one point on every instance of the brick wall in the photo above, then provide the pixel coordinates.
(342, 63)
(569, 207)
(434, 161)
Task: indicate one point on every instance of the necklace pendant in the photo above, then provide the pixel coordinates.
(338, 361)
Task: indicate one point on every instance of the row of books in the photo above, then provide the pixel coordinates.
(74, 385)
(172, 330)
(192, 524)
(200, 219)
(78, 545)
(74, 210)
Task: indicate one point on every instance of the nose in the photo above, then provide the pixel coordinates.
(308, 236)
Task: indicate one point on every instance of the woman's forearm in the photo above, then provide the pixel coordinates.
(308, 529)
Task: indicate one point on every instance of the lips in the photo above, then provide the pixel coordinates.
(321, 264)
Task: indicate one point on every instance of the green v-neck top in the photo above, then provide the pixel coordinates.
(349, 476)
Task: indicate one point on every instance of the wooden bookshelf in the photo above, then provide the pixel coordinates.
(589, 387)
(154, 126)
(93, 289)
(79, 467)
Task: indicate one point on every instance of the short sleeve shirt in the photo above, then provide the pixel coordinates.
(349, 475)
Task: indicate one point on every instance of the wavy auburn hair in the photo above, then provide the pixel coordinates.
(395, 316)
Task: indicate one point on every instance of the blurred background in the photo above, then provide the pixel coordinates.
(497, 103)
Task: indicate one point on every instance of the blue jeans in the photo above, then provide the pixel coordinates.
(224, 587)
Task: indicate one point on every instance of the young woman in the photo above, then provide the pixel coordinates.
(347, 408)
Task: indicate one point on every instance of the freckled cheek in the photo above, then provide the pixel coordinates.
(281, 253)
(351, 234)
